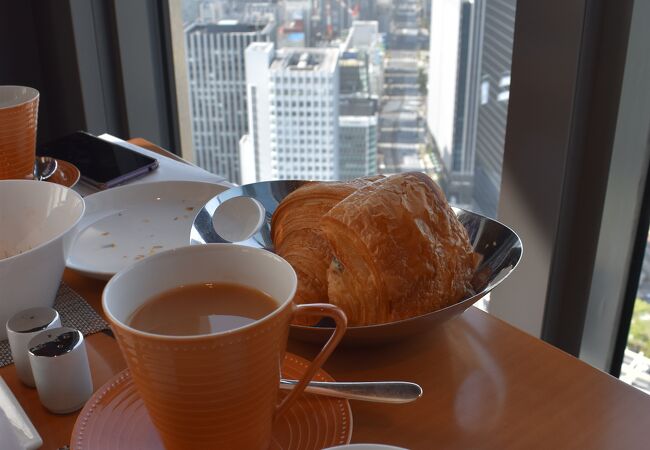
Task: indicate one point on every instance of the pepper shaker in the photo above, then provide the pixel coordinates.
(61, 371)
(21, 328)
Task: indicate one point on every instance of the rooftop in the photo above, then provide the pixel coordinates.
(306, 60)
(225, 26)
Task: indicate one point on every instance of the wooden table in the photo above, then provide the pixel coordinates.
(486, 386)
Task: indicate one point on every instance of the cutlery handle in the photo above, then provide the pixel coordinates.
(372, 391)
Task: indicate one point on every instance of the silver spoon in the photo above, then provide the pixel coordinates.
(370, 391)
(44, 167)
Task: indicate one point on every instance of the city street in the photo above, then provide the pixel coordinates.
(404, 142)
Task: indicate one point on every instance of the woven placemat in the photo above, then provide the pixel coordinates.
(75, 313)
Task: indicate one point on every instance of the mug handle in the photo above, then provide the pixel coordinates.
(315, 309)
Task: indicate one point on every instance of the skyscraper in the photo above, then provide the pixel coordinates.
(364, 39)
(260, 12)
(361, 80)
(256, 147)
(452, 89)
(215, 58)
(493, 102)
(293, 112)
(358, 137)
(353, 74)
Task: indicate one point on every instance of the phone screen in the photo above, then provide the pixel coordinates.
(99, 161)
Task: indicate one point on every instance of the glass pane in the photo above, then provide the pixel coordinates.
(331, 89)
(636, 362)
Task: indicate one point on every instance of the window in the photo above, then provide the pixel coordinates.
(449, 89)
(485, 91)
(635, 367)
(504, 88)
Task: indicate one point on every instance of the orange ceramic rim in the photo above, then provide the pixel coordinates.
(286, 303)
(34, 96)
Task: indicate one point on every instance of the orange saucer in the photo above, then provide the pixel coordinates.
(66, 174)
(115, 418)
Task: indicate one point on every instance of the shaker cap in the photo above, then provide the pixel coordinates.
(32, 320)
(55, 342)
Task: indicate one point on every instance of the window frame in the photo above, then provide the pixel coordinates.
(619, 261)
(568, 139)
(122, 54)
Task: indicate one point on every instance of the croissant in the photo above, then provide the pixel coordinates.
(296, 234)
(399, 251)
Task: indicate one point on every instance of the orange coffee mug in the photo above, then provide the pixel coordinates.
(218, 390)
(18, 120)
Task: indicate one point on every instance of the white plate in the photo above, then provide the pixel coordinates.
(126, 224)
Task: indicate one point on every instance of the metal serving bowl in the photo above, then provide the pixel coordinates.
(500, 248)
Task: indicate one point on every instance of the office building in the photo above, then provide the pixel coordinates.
(361, 79)
(365, 42)
(494, 91)
(452, 90)
(246, 11)
(210, 12)
(293, 112)
(247, 160)
(358, 120)
(337, 16)
(215, 60)
(353, 73)
(260, 12)
(295, 29)
(407, 31)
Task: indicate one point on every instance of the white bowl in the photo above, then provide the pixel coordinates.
(37, 221)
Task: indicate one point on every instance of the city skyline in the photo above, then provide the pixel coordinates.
(410, 90)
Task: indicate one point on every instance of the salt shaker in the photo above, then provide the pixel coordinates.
(21, 328)
(61, 371)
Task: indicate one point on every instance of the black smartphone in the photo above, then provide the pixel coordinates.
(102, 164)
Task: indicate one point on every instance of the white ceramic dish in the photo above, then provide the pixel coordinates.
(126, 224)
(37, 220)
(16, 430)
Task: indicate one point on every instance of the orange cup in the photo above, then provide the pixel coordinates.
(218, 390)
(18, 120)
